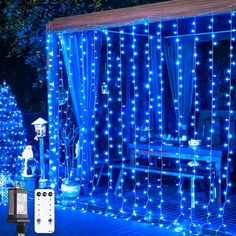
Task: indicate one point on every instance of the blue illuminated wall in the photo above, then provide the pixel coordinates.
(149, 83)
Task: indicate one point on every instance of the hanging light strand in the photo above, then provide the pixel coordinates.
(179, 116)
(160, 121)
(194, 117)
(228, 80)
(83, 110)
(211, 61)
(94, 126)
(133, 119)
(108, 129)
(53, 118)
(121, 121)
(148, 214)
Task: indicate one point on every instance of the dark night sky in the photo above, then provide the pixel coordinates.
(21, 78)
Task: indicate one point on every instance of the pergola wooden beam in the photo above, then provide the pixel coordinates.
(153, 12)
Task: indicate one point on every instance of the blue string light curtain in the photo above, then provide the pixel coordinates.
(185, 66)
(79, 51)
(155, 85)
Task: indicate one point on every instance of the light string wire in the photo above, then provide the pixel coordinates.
(67, 104)
(96, 123)
(83, 115)
(228, 128)
(194, 117)
(194, 76)
(60, 76)
(66, 112)
(53, 139)
(121, 119)
(148, 213)
(179, 115)
(180, 89)
(160, 121)
(60, 111)
(134, 122)
(69, 158)
(94, 126)
(176, 107)
(57, 74)
(211, 60)
(108, 79)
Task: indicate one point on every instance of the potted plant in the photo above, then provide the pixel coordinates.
(70, 186)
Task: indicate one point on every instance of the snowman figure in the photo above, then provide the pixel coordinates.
(27, 155)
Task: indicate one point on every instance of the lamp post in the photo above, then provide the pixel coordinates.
(40, 130)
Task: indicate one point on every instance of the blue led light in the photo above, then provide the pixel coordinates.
(12, 134)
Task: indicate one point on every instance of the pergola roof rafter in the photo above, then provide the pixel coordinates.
(152, 12)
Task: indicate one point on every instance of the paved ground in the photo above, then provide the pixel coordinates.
(75, 223)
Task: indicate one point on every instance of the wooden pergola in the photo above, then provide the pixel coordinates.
(153, 12)
(167, 10)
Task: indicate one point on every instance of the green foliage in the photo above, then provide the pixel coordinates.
(112, 4)
(22, 24)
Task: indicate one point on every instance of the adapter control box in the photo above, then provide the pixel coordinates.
(44, 211)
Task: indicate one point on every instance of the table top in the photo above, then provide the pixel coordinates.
(200, 151)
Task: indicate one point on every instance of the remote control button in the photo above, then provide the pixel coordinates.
(38, 221)
(44, 194)
(50, 194)
(38, 194)
(50, 220)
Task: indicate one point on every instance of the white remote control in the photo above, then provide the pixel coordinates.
(44, 211)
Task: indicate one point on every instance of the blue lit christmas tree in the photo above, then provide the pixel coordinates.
(12, 133)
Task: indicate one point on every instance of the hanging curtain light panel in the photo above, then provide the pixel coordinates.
(152, 102)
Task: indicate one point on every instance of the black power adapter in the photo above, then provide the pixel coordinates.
(18, 208)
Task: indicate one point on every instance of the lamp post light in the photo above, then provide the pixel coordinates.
(40, 130)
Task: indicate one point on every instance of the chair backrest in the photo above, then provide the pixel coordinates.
(220, 124)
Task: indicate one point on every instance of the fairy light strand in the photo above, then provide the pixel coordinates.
(148, 213)
(108, 128)
(94, 126)
(121, 119)
(160, 120)
(82, 116)
(194, 116)
(228, 80)
(52, 109)
(133, 119)
(211, 60)
(179, 115)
